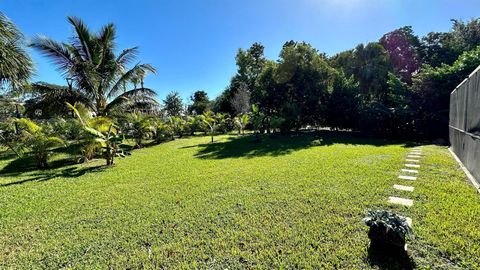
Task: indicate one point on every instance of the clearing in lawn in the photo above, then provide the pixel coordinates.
(295, 201)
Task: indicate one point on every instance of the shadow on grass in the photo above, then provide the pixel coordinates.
(244, 146)
(7, 155)
(386, 258)
(27, 164)
(65, 168)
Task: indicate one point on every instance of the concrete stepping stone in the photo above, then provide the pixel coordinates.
(413, 156)
(409, 221)
(412, 165)
(405, 177)
(403, 188)
(401, 201)
(409, 171)
(416, 153)
(412, 160)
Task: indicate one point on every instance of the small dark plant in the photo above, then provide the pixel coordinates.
(387, 228)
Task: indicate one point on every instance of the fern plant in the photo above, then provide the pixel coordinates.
(387, 228)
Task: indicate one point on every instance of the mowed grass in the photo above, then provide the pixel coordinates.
(291, 202)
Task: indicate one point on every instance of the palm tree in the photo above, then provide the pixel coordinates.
(102, 131)
(16, 66)
(210, 120)
(241, 122)
(38, 141)
(97, 72)
(141, 126)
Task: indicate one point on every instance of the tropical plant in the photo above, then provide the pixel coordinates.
(102, 131)
(276, 123)
(224, 122)
(210, 120)
(100, 76)
(178, 125)
(241, 122)
(8, 135)
(256, 119)
(16, 66)
(34, 138)
(141, 127)
(163, 131)
(387, 228)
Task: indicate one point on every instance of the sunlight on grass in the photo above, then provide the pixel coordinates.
(286, 202)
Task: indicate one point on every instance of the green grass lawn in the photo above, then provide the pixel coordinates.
(289, 202)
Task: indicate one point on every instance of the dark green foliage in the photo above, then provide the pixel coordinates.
(343, 104)
(431, 92)
(388, 228)
(200, 103)
(173, 104)
(49, 100)
(397, 87)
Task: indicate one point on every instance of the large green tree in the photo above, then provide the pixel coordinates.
(304, 78)
(103, 77)
(173, 104)
(200, 103)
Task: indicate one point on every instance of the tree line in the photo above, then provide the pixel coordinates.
(397, 86)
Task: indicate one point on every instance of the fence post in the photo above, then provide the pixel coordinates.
(465, 113)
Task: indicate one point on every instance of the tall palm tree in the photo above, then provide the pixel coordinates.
(98, 73)
(16, 66)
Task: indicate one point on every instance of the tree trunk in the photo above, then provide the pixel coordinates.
(41, 161)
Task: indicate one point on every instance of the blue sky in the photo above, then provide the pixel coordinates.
(193, 43)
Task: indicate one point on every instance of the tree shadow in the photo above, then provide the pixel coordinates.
(27, 164)
(387, 258)
(25, 168)
(7, 155)
(244, 146)
(71, 172)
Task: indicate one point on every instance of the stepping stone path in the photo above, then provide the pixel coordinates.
(406, 177)
(401, 201)
(412, 165)
(413, 161)
(403, 188)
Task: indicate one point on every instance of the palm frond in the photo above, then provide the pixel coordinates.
(127, 56)
(54, 141)
(29, 125)
(16, 66)
(136, 71)
(51, 99)
(58, 52)
(83, 40)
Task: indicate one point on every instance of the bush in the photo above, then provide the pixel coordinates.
(387, 228)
